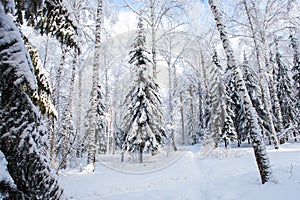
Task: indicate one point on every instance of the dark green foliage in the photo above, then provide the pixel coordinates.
(49, 17)
(22, 135)
(296, 76)
(55, 19)
(221, 121)
(284, 90)
(21, 143)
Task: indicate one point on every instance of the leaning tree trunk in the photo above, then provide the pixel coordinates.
(93, 108)
(261, 80)
(259, 147)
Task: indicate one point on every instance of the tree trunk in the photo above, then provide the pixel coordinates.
(67, 142)
(182, 119)
(95, 79)
(56, 103)
(172, 141)
(153, 38)
(78, 121)
(259, 148)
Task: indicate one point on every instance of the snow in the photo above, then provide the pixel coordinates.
(16, 56)
(223, 174)
(4, 175)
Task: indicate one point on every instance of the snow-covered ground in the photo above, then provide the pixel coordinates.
(223, 174)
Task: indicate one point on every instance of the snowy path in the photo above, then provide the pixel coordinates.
(230, 174)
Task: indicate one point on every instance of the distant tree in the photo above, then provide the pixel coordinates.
(142, 123)
(221, 123)
(154, 12)
(296, 76)
(101, 123)
(284, 90)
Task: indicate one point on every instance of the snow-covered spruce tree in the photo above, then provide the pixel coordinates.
(21, 132)
(221, 123)
(253, 87)
(101, 124)
(284, 90)
(239, 119)
(55, 19)
(296, 77)
(92, 140)
(259, 147)
(142, 123)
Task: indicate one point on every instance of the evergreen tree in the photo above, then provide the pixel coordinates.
(296, 77)
(22, 135)
(55, 19)
(101, 123)
(251, 82)
(142, 124)
(221, 123)
(239, 120)
(284, 90)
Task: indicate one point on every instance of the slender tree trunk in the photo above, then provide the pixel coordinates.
(67, 142)
(56, 103)
(262, 79)
(95, 79)
(200, 106)
(182, 119)
(78, 121)
(172, 141)
(153, 38)
(259, 148)
(192, 115)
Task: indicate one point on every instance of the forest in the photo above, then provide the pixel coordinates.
(86, 80)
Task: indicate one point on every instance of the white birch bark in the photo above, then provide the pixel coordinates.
(93, 108)
(259, 147)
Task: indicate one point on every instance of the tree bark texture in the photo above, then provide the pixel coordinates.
(95, 80)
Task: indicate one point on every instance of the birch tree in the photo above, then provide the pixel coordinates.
(262, 159)
(95, 82)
